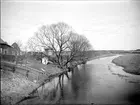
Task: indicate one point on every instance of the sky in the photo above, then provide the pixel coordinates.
(108, 25)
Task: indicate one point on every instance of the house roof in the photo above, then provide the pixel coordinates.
(15, 45)
(3, 44)
(1, 41)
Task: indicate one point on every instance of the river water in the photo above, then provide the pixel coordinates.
(90, 83)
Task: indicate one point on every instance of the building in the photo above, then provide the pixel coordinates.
(6, 49)
(49, 52)
(7, 52)
(45, 60)
(16, 48)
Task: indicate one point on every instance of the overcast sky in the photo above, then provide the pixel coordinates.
(108, 25)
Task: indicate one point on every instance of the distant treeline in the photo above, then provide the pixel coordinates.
(96, 53)
(90, 54)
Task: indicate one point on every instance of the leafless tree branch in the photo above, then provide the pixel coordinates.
(66, 45)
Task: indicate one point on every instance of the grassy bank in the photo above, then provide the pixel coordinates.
(130, 62)
(14, 86)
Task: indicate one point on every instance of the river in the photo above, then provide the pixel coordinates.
(90, 83)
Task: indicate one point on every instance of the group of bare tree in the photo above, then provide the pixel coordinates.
(67, 45)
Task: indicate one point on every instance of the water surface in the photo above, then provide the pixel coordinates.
(91, 83)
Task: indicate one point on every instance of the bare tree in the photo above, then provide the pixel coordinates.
(78, 45)
(32, 45)
(65, 44)
(19, 43)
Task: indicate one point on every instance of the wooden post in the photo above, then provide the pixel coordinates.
(27, 73)
(14, 69)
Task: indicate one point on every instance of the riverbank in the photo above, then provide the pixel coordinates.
(14, 86)
(93, 79)
(118, 71)
(25, 87)
(130, 63)
(96, 84)
(17, 86)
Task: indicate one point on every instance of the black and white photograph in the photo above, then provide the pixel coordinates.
(67, 52)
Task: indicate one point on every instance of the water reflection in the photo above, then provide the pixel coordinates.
(89, 84)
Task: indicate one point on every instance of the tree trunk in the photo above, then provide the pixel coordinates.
(67, 75)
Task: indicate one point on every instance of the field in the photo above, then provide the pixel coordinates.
(130, 62)
(92, 54)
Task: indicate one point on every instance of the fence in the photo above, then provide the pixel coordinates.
(10, 58)
(32, 74)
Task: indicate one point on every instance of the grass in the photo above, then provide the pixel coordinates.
(51, 69)
(130, 62)
(14, 86)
